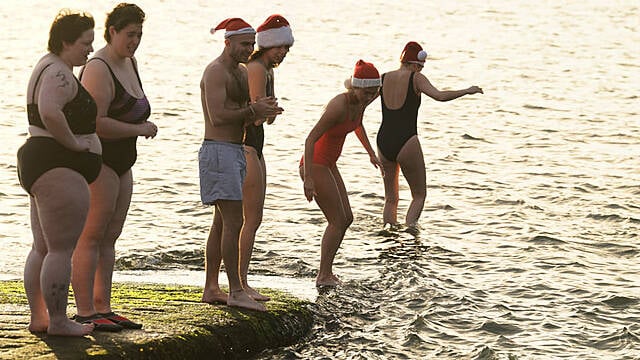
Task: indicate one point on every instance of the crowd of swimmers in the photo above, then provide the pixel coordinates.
(76, 163)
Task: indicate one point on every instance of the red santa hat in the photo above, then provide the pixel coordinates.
(275, 31)
(365, 75)
(234, 26)
(413, 53)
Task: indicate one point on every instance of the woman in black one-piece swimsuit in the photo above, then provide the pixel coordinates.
(398, 144)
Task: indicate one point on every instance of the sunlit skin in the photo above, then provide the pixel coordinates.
(223, 84)
(60, 196)
(255, 183)
(325, 184)
(410, 158)
(94, 257)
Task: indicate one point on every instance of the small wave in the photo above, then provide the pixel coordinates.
(613, 217)
(546, 240)
(500, 329)
(620, 340)
(469, 137)
(621, 302)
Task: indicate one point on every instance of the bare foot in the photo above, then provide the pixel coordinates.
(39, 321)
(332, 280)
(214, 297)
(69, 328)
(239, 298)
(255, 295)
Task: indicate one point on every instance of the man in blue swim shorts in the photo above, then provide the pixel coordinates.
(225, 104)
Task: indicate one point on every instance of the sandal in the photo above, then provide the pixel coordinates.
(99, 322)
(121, 320)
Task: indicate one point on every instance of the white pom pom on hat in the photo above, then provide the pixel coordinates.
(413, 53)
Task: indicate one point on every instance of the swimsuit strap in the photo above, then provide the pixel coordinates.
(33, 94)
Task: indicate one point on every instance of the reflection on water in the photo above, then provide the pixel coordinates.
(528, 246)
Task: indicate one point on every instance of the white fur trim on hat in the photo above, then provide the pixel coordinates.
(362, 83)
(274, 37)
(247, 30)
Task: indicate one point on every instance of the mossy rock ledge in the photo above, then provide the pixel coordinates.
(176, 326)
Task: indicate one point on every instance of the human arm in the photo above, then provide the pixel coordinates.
(57, 88)
(214, 85)
(364, 139)
(332, 115)
(96, 78)
(257, 85)
(421, 84)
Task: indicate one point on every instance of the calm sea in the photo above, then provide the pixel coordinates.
(529, 247)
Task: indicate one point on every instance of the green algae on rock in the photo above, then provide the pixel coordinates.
(176, 326)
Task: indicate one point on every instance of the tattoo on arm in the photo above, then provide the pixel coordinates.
(63, 79)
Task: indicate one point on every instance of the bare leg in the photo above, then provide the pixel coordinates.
(213, 257)
(107, 250)
(62, 201)
(231, 212)
(411, 162)
(334, 203)
(104, 195)
(32, 270)
(391, 198)
(253, 194)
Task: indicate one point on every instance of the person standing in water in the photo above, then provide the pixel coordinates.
(222, 164)
(274, 38)
(398, 144)
(318, 168)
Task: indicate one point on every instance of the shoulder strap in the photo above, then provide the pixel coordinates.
(116, 83)
(35, 86)
(135, 68)
(411, 88)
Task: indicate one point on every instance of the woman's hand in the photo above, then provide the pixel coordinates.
(148, 129)
(377, 164)
(309, 189)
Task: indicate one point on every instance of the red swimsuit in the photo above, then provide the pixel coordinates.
(328, 148)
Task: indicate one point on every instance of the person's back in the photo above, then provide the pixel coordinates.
(400, 104)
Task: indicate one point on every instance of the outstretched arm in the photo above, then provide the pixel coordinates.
(421, 84)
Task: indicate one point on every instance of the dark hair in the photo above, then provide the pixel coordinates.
(257, 53)
(67, 27)
(121, 16)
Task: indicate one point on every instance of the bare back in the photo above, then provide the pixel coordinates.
(394, 88)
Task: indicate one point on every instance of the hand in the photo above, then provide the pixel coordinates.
(309, 189)
(148, 129)
(84, 144)
(377, 164)
(474, 89)
(266, 107)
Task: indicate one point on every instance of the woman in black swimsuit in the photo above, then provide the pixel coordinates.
(398, 144)
(111, 76)
(274, 38)
(55, 165)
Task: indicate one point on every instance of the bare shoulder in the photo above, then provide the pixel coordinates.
(337, 106)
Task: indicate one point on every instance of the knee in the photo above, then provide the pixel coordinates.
(391, 198)
(420, 195)
(348, 220)
(252, 223)
(344, 222)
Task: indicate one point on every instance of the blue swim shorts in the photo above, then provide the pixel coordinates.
(223, 167)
